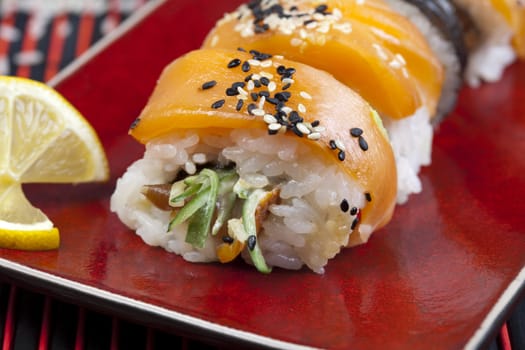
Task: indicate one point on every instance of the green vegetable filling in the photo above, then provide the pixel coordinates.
(213, 194)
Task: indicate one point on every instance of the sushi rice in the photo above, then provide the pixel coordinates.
(307, 227)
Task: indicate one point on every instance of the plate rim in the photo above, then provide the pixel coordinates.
(488, 328)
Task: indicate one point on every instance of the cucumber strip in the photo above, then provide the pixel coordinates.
(248, 218)
(190, 208)
(199, 224)
(224, 209)
(200, 218)
(188, 192)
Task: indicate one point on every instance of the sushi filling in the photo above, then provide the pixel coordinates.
(210, 197)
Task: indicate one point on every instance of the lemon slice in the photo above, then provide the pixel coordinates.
(43, 139)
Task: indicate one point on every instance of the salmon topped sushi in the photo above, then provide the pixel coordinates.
(249, 154)
(371, 46)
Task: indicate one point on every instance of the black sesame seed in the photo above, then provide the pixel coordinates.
(135, 123)
(234, 63)
(238, 84)
(295, 118)
(252, 241)
(209, 84)
(231, 92)
(332, 144)
(307, 22)
(321, 8)
(241, 49)
(264, 93)
(287, 86)
(251, 107)
(265, 81)
(297, 131)
(272, 100)
(218, 104)
(344, 206)
(354, 223)
(227, 239)
(246, 66)
(283, 96)
(293, 8)
(354, 211)
(281, 70)
(316, 123)
(248, 78)
(259, 29)
(240, 103)
(356, 132)
(272, 132)
(257, 83)
(363, 144)
(290, 71)
(255, 96)
(368, 196)
(341, 155)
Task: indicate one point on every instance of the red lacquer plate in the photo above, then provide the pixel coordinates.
(443, 274)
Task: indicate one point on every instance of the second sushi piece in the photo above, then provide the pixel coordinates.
(409, 73)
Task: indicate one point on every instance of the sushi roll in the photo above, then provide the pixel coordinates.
(409, 73)
(495, 35)
(249, 154)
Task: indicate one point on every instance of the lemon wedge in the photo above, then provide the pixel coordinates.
(43, 139)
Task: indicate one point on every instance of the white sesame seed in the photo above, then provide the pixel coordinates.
(267, 75)
(283, 129)
(311, 25)
(256, 77)
(274, 126)
(319, 16)
(241, 91)
(314, 136)
(270, 119)
(242, 97)
(319, 129)
(258, 112)
(272, 86)
(321, 40)
(199, 158)
(254, 62)
(286, 109)
(302, 128)
(296, 42)
(287, 81)
(340, 145)
(190, 168)
(303, 34)
(278, 57)
(251, 85)
(305, 95)
(261, 102)
(301, 108)
(266, 64)
(345, 28)
(323, 28)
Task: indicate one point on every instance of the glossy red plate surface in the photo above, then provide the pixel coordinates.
(443, 274)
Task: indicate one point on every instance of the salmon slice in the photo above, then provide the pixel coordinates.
(364, 44)
(211, 90)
